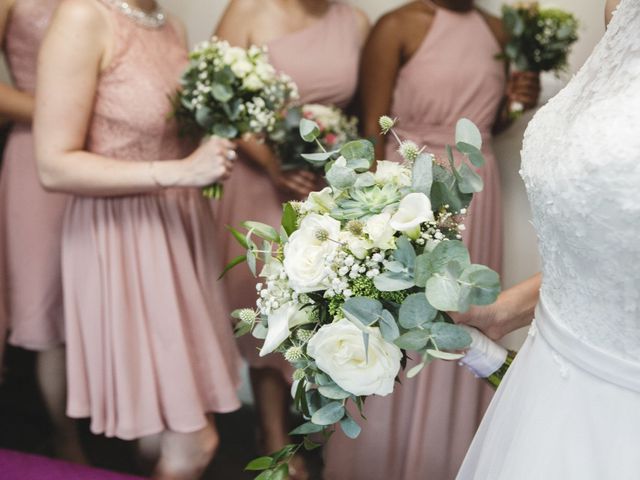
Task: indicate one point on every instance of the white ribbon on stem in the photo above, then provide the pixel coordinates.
(484, 357)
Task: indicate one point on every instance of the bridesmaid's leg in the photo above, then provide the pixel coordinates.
(272, 398)
(52, 380)
(185, 456)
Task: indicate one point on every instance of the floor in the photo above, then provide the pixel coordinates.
(25, 427)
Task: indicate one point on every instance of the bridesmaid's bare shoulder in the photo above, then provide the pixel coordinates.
(495, 25)
(85, 13)
(179, 27)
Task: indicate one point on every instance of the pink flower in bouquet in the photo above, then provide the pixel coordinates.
(331, 139)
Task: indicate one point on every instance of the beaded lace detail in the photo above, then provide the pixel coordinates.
(581, 167)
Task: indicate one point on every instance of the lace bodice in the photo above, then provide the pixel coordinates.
(581, 166)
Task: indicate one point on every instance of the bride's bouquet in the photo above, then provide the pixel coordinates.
(335, 129)
(229, 92)
(540, 39)
(365, 271)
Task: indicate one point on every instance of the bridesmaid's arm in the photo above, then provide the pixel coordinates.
(234, 25)
(15, 105)
(514, 309)
(73, 54)
(380, 65)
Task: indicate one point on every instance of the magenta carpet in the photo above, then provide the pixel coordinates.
(22, 466)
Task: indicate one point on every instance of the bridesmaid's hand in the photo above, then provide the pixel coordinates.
(211, 163)
(296, 182)
(524, 88)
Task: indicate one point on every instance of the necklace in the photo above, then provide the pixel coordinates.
(155, 19)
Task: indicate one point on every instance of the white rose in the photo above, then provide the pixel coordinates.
(392, 172)
(320, 202)
(380, 231)
(306, 250)
(279, 324)
(414, 209)
(241, 68)
(338, 349)
(358, 246)
(252, 82)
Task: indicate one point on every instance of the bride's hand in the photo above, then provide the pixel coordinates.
(487, 319)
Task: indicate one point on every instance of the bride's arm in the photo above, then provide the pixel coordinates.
(514, 309)
(70, 61)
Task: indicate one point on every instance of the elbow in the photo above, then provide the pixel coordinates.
(49, 176)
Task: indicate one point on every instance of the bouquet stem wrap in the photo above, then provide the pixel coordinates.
(485, 358)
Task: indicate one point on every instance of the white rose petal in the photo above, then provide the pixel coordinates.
(380, 231)
(306, 251)
(358, 246)
(392, 172)
(339, 351)
(252, 82)
(414, 209)
(321, 202)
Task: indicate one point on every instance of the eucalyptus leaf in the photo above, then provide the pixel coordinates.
(363, 310)
(333, 392)
(422, 176)
(415, 311)
(447, 252)
(341, 177)
(450, 337)
(393, 281)
(329, 414)
(413, 340)
(467, 132)
(309, 130)
(366, 179)
(484, 282)
(474, 155)
(225, 130)
(444, 291)
(442, 195)
(423, 270)
(317, 159)
(359, 164)
(259, 332)
(388, 326)
(350, 428)
(204, 117)
(262, 230)
(405, 253)
(358, 150)
(415, 370)
(445, 355)
(470, 181)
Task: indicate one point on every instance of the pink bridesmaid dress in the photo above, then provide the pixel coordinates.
(250, 195)
(149, 342)
(424, 429)
(30, 218)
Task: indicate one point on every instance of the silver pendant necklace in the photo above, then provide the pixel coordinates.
(155, 19)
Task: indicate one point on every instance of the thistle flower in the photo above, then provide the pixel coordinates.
(304, 335)
(247, 315)
(386, 124)
(355, 227)
(409, 150)
(298, 375)
(293, 354)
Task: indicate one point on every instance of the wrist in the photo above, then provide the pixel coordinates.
(167, 174)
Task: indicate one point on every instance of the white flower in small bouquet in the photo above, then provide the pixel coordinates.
(335, 129)
(364, 272)
(229, 92)
(540, 39)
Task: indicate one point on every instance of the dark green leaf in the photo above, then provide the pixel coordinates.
(289, 219)
(310, 445)
(236, 261)
(260, 463)
(240, 238)
(280, 473)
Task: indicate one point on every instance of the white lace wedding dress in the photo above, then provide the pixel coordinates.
(570, 406)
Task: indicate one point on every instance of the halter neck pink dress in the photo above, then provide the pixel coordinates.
(149, 342)
(30, 218)
(423, 430)
(250, 195)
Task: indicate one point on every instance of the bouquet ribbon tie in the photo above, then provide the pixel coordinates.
(484, 357)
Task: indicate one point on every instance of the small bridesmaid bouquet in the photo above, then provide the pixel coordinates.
(364, 272)
(329, 128)
(230, 92)
(540, 40)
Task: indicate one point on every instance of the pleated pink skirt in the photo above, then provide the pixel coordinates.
(150, 345)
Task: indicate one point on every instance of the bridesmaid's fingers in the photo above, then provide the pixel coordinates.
(307, 175)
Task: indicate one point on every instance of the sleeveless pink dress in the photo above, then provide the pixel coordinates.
(425, 428)
(30, 218)
(249, 194)
(149, 342)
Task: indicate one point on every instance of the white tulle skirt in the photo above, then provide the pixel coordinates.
(554, 420)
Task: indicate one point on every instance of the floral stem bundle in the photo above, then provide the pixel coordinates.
(364, 272)
(230, 92)
(335, 129)
(540, 39)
